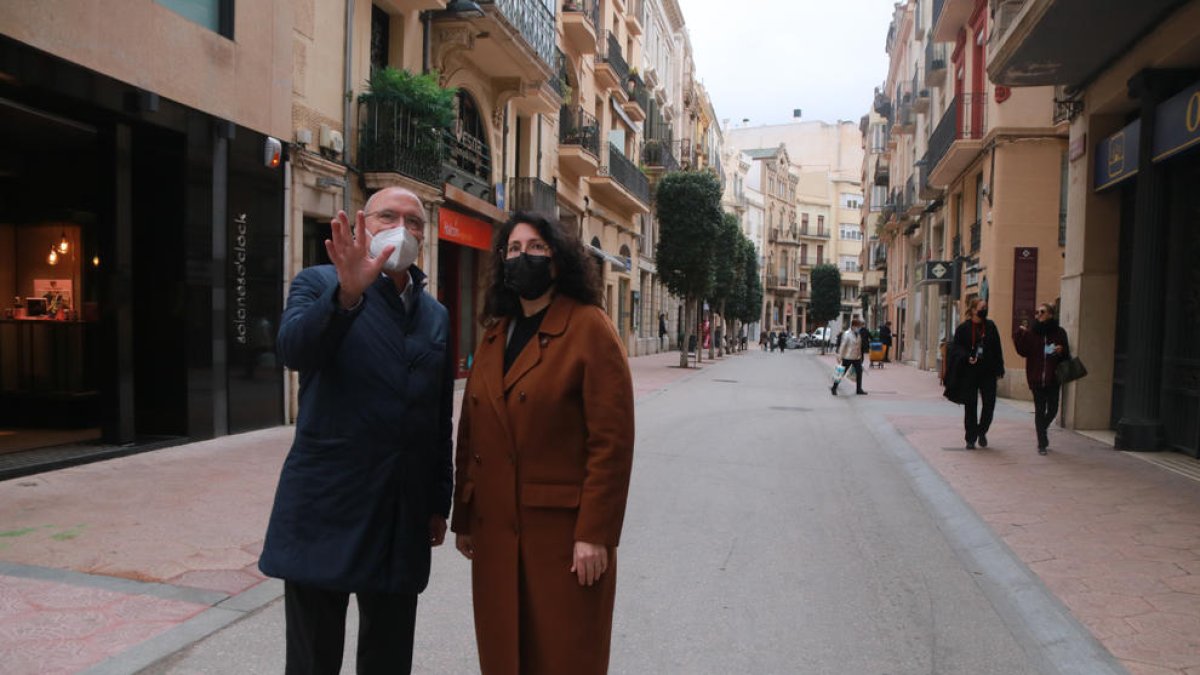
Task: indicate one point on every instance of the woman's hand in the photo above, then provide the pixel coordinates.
(463, 543)
(349, 252)
(590, 561)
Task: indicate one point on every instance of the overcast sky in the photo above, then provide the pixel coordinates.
(759, 59)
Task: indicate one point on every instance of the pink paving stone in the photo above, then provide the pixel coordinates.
(1166, 622)
(1130, 584)
(99, 625)
(1182, 542)
(1160, 553)
(1191, 566)
(1107, 627)
(1176, 603)
(1106, 605)
(1139, 668)
(230, 582)
(1185, 584)
(1161, 649)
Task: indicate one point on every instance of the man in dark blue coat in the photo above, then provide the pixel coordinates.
(365, 490)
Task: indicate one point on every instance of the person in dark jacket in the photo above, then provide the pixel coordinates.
(365, 489)
(977, 343)
(885, 338)
(1044, 347)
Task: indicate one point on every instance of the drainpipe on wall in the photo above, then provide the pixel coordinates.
(426, 47)
(348, 95)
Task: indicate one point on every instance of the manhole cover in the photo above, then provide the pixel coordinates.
(790, 408)
(730, 381)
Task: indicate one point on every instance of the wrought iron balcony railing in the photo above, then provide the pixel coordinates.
(627, 174)
(531, 194)
(965, 119)
(657, 154)
(976, 236)
(393, 139)
(590, 9)
(577, 127)
(533, 21)
(609, 51)
(639, 94)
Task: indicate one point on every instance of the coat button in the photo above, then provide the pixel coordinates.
(522, 396)
(478, 459)
(545, 340)
(474, 399)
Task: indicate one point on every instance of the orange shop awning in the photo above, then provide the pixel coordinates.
(463, 229)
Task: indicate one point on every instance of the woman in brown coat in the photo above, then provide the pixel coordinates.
(545, 448)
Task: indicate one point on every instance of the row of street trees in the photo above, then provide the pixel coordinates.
(703, 255)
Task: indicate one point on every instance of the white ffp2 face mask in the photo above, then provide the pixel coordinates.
(405, 254)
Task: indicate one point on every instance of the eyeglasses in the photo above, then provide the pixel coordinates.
(532, 248)
(1040, 312)
(390, 217)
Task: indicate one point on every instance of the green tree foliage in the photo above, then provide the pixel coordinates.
(826, 294)
(688, 207)
(420, 95)
(726, 260)
(751, 305)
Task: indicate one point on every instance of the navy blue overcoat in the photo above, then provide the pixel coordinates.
(371, 460)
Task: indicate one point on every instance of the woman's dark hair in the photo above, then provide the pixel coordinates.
(577, 277)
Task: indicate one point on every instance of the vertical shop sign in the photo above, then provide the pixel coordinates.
(1025, 268)
(240, 299)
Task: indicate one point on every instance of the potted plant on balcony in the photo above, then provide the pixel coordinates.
(404, 118)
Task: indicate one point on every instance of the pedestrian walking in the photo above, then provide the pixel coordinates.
(662, 330)
(978, 361)
(762, 340)
(545, 450)
(365, 489)
(782, 340)
(885, 338)
(850, 351)
(772, 341)
(1044, 347)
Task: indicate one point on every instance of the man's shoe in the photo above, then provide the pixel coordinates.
(983, 440)
(970, 446)
(1043, 451)
(833, 390)
(861, 393)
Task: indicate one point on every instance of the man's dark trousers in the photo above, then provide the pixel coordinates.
(1045, 408)
(978, 384)
(316, 630)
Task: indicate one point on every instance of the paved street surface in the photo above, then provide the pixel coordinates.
(771, 529)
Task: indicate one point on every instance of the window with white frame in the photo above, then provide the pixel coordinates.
(851, 231)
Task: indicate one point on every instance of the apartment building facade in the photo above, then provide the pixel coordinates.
(1129, 92)
(975, 174)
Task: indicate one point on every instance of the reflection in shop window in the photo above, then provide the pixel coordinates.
(215, 15)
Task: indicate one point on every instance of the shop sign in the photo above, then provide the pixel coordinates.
(936, 271)
(240, 296)
(1025, 279)
(1117, 156)
(463, 229)
(1177, 123)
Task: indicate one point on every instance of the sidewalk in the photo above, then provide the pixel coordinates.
(113, 565)
(1113, 535)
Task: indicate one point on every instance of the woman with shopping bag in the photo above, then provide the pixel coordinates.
(850, 351)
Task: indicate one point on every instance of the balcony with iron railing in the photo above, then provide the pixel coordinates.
(532, 21)
(622, 183)
(581, 23)
(957, 139)
(532, 194)
(685, 152)
(612, 71)
(639, 99)
(813, 232)
(935, 63)
(393, 140)
(976, 236)
(920, 94)
(905, 119)
(578, 141)
(657, 155)
(915, 205)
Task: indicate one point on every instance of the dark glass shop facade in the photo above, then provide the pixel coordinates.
(141, 264)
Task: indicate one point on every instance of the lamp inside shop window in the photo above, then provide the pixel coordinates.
(53, 257)
(64, 245)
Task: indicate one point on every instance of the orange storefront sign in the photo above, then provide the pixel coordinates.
(462, 229)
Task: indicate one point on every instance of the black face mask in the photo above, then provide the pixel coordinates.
(528, 275)
(982, 314)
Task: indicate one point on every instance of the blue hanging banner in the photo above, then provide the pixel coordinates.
(1117, 156)
(1177, 123)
